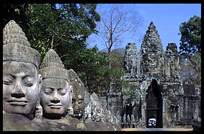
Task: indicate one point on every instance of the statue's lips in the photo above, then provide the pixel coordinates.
(77, 112)
(52, 106)
(18, 102)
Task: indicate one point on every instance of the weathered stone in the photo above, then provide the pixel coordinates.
(78, 94)
(21, 81)
(155, 73)
(87, 110)
(101, 116)
(54, 125)
(56, 92)
(17, 122)
(16, 46)
(130, 59)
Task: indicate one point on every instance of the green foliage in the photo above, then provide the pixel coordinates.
(62, 27)
(117, 58)
(191, 69)
(190, 36)
(126, 85)
(92, 69)
(128, 88)
(95, 73)
(65, 28)
(126, 92)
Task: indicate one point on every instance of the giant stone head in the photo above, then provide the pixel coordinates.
(56, 93)
(78, 103)
(21, 81)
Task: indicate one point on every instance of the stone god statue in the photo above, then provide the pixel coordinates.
(21, 80)
(87, 110)
(78, 95)
(97, 109)
(55, 95)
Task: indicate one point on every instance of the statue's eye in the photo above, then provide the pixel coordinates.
(62, 91)
(80, 101)
(7, 82)
(48, 91)
(28, 81)
(28, 84)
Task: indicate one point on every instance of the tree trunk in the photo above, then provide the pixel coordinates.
(109, 58)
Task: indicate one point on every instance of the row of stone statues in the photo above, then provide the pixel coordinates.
(47, 96)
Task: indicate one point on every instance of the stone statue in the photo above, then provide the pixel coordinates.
(79, 100)
(130, 58)
(70, 108)
(21, 81)
(78, 95)
(87, 110)
(97, 117)
(55, 94)
(97, 111)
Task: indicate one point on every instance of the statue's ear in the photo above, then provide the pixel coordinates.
(40, 81)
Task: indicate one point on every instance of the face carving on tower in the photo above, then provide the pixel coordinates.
(56, 92)
(21, 81)
(78, 95)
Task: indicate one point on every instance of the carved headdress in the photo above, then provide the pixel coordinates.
(76, 83)
(16, 46)
(52, 66)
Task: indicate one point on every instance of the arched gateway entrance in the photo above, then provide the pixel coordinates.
(154, 104)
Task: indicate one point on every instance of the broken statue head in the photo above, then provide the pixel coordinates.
(21, 81)
(78, 95)
(55, 94)
(97, 108)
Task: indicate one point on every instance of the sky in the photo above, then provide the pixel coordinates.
(166, 17)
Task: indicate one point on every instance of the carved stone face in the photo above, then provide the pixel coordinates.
(78, 98)
(55, 97)
(98, 113)
(78, 104)
(107, 116)
(21, 86)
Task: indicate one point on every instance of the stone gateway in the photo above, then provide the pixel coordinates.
(159, 92)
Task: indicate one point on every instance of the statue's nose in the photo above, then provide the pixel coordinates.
(18, 91)
(55, 98)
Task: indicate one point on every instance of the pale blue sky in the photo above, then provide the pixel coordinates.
(166, 18)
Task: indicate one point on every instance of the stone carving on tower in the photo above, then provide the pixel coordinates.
(152, 69)
(151, 52)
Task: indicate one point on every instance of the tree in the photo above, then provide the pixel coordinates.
(95, 73)
(190, 50)
(116, 20)
(190, 36)
(191, 68)
(93, 69)
(117, 58)
(63, 27)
